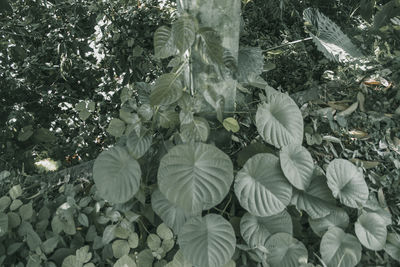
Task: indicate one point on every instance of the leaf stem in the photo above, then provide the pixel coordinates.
(286, 44)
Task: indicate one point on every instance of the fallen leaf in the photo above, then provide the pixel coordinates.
(349, 110)
(358, 134)
(366, 164)
(361, 101)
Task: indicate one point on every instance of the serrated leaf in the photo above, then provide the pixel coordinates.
(116, 127)
(347, 183)
(371, 231)
(256, 230)
(208, 241)
(164, 43)
(317, 199)
(329, 39)
(279, 121)
(183, 32)
(116, 175)
(261, 187)
(336, 218)
(195, 177)
(230, 124)
(297, 165)
(172, 215)
(285, 251)
(166, 90)
(339, 249)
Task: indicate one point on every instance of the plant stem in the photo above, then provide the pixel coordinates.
(283, 45)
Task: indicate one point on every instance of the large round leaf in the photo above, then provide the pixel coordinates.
(261, 187)
(339, 249)
(392, 246)
(256, 230)
(195, 176)
(347, 183)
(116, 175)
(317, 199)
(297, 165)
(285, 251)
(337, 218)
(371, 230)
(280, 121)
(207, 242)
(173, 216)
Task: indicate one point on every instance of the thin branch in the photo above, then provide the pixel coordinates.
(290, 43)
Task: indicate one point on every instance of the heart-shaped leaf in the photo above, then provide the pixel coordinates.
(138, 145)
(173, 216)
(347, 183)
(279, 121)
(164, 43)
(167, 90)
(116, 175)
(285, 251)
(339, 249)
(183, 31)
(195, 176)
(207, 242)
(317, 199)
(261, 187)
(371, 231)
(297, 165)
(338, 217)
(256, 230)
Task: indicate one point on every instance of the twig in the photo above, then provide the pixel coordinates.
(283, 45)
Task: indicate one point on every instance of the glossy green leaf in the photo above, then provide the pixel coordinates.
(256, 230)
(261, 187)
(279, 122)
(371, 231)
(285, 251)
(166, 90)
(172, 215)
(208, 241)
(297, 165)
(116, 175)
(339, 249)
(347, 183)
(317, 199)
(164, 43)
(195, 176)
(183, 32)
(336, 218)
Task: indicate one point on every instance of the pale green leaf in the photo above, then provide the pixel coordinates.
(207, 242)
(164, 43)
(164, 232)
(5, 201)
(261, 186)
(125, 261)
(210, 46)
(116, 175)
(336, 218)
(392, 246)
(195, 131)
(371, 231)
(15, 191)
(195, 177)
(138, 145)
(279, 122)
(183, 32)
(116, 127)
(120, 248)
(3, 224)
(166, 90)
(230, 124)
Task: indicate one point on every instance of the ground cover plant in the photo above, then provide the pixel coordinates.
(279, 181)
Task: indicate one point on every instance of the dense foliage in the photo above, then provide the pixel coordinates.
(308, 179)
